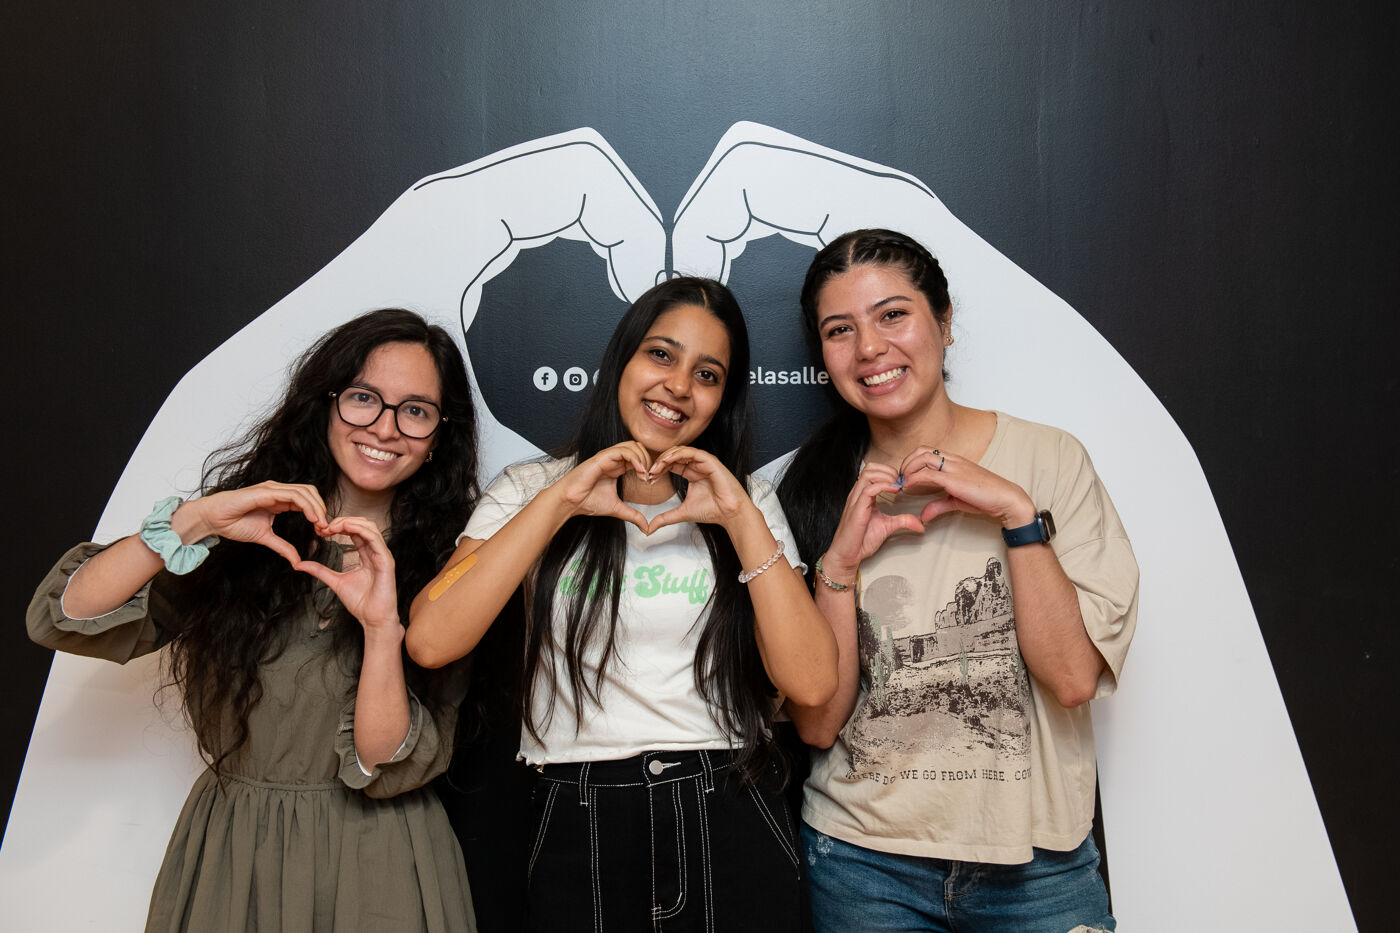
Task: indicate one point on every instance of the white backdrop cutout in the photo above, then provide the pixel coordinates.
(1209, 816)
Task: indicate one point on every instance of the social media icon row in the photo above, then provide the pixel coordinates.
(575, 379)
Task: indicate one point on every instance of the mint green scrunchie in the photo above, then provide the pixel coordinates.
(180, 558)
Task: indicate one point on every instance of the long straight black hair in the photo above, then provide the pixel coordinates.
(815, 485)
(233, 613)
(729, 673)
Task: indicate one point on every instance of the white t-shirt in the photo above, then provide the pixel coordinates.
(648, 698)
(953, 750)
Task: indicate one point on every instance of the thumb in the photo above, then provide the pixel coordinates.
(941, 506)
(629, 514)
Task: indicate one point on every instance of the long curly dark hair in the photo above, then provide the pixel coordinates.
(815, 485)
(234, 611)
(729, 672)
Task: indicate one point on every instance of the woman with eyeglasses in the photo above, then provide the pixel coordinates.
(663, 621)
(280, 594)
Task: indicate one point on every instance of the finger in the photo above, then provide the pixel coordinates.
(281, 546)
(366, 538)
(289, 497)
(863, 497)
(921, 456)
(313, 506)
(629, 514)
(760, 181)
(674, 516)
(692, 463)
(685, 470)
(878, 470)
(942, 506)
(354, 524)
(320, 571)
(617, 459)
(612, 210)
(663, 462)
(906, 522)
(639, 459)
(716, 220)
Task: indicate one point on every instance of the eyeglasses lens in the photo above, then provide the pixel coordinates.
(361, 407)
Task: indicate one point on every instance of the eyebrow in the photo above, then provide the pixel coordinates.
(676, 344)
(843, 316)
(407, 398)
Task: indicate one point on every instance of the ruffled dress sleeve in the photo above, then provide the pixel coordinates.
(426, 750)
(131, 630)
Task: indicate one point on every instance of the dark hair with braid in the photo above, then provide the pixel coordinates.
(234, 613)
(729, 673)
(815, 485)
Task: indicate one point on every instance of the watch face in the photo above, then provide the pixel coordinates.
(1047, 524)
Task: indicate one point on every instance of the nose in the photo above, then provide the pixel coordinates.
(678, 383)
(870, 342)
(386, 425)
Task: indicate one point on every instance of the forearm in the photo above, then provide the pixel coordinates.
(1049, 627)
(819, 725)
(794, 641)
(112, 577)
(381, 700)
(449, 616)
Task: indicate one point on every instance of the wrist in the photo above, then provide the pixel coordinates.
(833, 575)
(557, 504)
(749, 531)
(1022, 513)
(188, 522)
(386, 632)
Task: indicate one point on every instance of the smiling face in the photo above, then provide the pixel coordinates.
(881, 343)
(674, 382)
(375, 458)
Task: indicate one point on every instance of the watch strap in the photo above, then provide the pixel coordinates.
(1040, 530)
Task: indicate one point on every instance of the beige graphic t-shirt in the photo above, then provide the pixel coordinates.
(954, 751)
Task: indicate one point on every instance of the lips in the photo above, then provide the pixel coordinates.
(664, 413)
(374, 453)
(880, 379)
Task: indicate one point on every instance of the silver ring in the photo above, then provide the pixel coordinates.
(941, 461)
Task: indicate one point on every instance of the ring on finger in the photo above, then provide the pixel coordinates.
(941, 460)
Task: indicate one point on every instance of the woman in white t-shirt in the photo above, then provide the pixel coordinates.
(663, 622)
(953, 786)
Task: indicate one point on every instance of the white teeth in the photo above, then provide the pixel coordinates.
(670, 414)
(375, 453)
(884, 377)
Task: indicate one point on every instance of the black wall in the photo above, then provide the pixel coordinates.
(1212, 187)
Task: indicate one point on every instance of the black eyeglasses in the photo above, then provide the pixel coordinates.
(362, 407)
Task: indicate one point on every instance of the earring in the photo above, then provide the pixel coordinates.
(429, 458)
(948, 340)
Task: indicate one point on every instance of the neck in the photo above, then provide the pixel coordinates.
(373, 506)
(936, 426)
(636, 491)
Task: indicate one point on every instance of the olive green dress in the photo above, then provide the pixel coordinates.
(298, 837)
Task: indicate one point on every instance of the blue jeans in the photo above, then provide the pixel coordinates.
(665, 841)
(859, 889)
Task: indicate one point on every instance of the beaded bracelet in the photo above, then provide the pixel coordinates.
(746, 577)
(156, 534)
(821, 575)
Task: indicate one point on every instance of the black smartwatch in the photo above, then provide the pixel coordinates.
(1040, 530)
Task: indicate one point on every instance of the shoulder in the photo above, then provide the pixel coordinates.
(764, 494)
(508, 493)
(1022, 437)
(528, 477)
